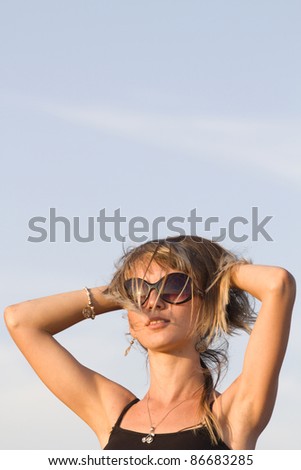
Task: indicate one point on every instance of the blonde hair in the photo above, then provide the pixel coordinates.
(224, 308)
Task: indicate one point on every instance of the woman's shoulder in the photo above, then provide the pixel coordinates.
(113, 397)
(232, 419)
(222, 403)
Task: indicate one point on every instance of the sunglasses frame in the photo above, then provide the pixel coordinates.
(157, 286)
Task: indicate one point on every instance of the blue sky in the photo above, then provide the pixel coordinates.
(155, 108)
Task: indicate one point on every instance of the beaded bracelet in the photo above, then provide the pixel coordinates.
(88, 311)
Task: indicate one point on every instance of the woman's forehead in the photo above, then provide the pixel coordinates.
(148, 270)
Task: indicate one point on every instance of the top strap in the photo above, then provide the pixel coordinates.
(125, 409)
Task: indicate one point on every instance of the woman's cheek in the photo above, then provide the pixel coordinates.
(136, 323)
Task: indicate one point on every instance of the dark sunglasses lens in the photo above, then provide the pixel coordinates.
(177, 288)
(137, 290)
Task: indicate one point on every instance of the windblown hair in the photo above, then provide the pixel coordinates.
(224, 309)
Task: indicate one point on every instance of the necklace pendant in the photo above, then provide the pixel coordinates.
(150, 437)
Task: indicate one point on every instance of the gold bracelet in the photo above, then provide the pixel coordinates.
(88, 311)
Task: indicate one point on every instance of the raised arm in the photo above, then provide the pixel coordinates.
(32, 325)
(253, 394)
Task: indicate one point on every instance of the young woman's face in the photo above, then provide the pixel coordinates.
(161, 326)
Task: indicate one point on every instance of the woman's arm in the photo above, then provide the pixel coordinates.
(57, 312)
(32, 325)
(253, 394)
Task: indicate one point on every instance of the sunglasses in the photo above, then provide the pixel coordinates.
(175, 288)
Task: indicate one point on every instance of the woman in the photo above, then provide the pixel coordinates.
(183, 295)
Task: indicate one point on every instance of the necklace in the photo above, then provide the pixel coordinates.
(148, 439)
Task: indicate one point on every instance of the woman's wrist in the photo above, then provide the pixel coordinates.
(101, 302)
(237, 273)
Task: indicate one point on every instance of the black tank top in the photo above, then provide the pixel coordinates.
(124, 439)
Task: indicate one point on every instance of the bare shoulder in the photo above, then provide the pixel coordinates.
(113, 397)
(233, 418)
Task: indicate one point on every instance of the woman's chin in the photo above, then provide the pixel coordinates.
(169, 347)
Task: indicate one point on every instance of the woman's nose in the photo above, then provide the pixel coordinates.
(154, 301)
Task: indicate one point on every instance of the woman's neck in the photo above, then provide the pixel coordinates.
(174, 377)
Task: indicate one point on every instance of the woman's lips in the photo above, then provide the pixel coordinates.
(156, 323)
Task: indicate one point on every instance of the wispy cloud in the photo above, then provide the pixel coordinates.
(268, 145)
(272, 146)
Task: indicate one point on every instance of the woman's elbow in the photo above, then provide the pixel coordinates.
(283, 282)
(12, 316)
